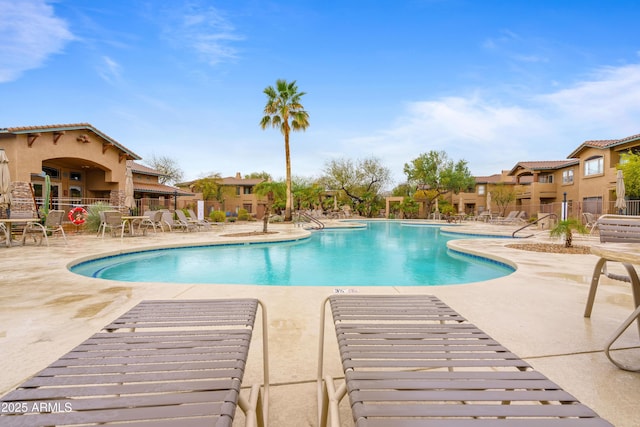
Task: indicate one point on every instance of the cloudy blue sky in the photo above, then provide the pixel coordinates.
(491, 82)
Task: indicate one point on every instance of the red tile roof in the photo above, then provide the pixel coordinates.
(159, 189)
(544, 165)
(603, 144)
(142, 169)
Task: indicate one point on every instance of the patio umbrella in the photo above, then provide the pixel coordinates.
(5, 181)
(488, 201)
(128, 189)
(620, 202)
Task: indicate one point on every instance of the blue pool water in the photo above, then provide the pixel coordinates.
(383, 254)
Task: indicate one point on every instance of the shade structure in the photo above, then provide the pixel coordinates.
(5, 179)
(621, 204)
(128, 189)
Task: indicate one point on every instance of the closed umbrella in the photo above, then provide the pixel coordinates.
(488, 202)
(621, 204)
(128, 189)
(5, 180)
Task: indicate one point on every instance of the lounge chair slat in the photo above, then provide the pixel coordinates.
(450, 384)
(126, 389)
(464, 409)
(221, 366)
(207, 411)
(506, 422)
(394, 395)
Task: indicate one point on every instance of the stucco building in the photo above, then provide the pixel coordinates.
(586, 180)
(84, 166)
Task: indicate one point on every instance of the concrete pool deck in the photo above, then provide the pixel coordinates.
(536, 312)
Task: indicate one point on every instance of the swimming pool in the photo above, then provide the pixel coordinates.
(382, 254)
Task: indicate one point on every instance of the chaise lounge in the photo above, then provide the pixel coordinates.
(410, 360)
(163, 363)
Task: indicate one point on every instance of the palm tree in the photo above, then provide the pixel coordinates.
(565, 228)
(273, 191)
(284, 111)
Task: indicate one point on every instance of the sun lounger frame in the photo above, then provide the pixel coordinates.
(162, 363)
(409, 360)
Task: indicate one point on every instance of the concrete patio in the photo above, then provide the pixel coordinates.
(536, 312)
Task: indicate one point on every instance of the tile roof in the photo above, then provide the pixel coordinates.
(603, 144)
(229, 180)
(143, 170)
(493, 179)
(159, 189)
(72, 126)
(544, 165)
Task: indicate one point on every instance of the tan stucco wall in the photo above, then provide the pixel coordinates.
(100, 164)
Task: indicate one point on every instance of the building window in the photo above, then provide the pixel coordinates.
(567, 176)
(594, 166)
(247, 190)
(52, 172)
(481, 190)
(546, 179)
(75, 193)
(75, 176)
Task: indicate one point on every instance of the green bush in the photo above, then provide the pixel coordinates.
(217, 216)
(276, 218)
(93, 218)
(243, 215)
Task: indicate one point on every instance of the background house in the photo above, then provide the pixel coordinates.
(234, 193)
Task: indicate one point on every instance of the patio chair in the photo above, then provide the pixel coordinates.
(187, 223)
(202, 223)
(410, 360)
(509, 219)
(590, 221)
(4, 234)
(38, 231)
(162, 363)
(171, 223)
(111, 220)
(616, 229)
(154, 220)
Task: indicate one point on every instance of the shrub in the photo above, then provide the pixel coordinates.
(217, 216)
(93, 218)
(243, 215)
(276, 218)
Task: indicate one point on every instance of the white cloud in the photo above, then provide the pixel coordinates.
(110, 71)
(203, 29)
(29, 33)
(494, 135)
(606, 102)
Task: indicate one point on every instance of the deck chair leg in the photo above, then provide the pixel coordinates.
(323, 407)
(635, 287)
(334, 397)
(635, 316)
(253, 408)
(597, 272)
